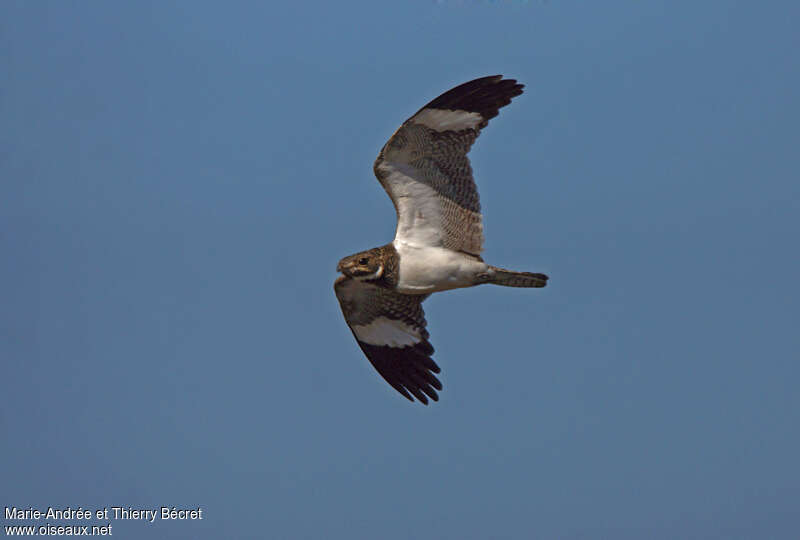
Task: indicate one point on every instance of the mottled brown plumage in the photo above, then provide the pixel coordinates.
(370, 262)
(425, 170)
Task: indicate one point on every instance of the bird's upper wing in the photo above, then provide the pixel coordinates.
(390, 329)
(424, 166)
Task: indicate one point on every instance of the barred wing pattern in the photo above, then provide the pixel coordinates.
(390, 329)
(425, 170)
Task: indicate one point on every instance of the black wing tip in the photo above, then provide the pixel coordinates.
(485, 95)
(409, 370)
(543, 278)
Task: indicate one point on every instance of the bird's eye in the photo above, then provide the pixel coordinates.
(363, 260)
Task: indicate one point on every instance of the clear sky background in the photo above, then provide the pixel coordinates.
(178, 181)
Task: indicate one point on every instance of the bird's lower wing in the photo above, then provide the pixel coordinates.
(390, 329)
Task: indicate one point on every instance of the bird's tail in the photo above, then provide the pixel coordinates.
(509, 278)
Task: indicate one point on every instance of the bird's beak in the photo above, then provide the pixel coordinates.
(339, 267)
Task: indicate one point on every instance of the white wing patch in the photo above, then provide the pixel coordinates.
(388, 333)
(444, 120)
(419, 213)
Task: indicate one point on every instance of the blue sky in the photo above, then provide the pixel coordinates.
(180, 179)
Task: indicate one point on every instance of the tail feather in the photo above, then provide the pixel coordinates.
(509, 278)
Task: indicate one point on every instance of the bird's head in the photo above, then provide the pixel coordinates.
(364, 266)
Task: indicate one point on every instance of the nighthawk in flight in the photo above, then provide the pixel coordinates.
(425, 170)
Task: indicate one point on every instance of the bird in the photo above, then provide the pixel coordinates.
(438, 241)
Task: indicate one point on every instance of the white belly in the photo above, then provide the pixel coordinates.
(430, 269)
